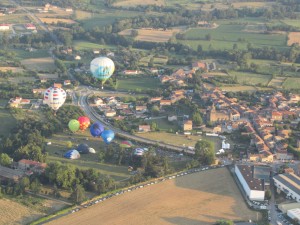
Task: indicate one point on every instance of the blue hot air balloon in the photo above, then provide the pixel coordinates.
(72, 154)
(107, 136)
(96, 129)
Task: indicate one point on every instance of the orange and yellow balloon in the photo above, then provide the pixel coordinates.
(84, 122)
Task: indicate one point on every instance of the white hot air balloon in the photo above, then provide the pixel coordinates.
(102, 68)
(54, 97)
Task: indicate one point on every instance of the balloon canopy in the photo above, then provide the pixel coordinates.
(72, 154)
(74, 125)
(126, 144)
(91, 150)
(54, 97)
(96, 129)
(139, 151)
(107, 136)
(102, 68)
(83, 148)
(84, 122)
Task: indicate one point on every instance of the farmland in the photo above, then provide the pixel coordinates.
(291, 83)
(153, 35)
(7, 121)
(126, 3)
(252, 4)
(81, 45)
(225, 35)
(251, 78)
(294, 38)
(205, 203)
(137, 83)
(12, 69)
(56, 20)
(39, 64)
(277, 82)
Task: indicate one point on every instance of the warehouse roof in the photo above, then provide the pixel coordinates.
(253, 183)
(290, 180)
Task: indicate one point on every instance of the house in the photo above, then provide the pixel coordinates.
(199, 65)
(43, 80)
(10, 174)
(187, 125)
(57, 85)
(165, 102)
(4, 27)
(144, 128)
(30, 26)
(253, 187)
(96, 52)
(98, 101)
(34, 166)
(288, 184)
(155, 99)
(38, 91)
(67, 82)
(15, 102)
(294, 214)
(283, 155)
(141, 108)
(110, 113)
(276, 116)
(217, 129)
(131, 72)
(69, 10)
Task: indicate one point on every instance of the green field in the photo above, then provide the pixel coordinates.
(251, 78)
(137, 82)
(294, 23)
(7, 121)
(59, 146)
(226, 35)
(83, 45)
(23, 54)
(291, 83)
(164, 125)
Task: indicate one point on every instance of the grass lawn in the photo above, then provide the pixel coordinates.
(59, 147)
(22, 54)
(164, 125)
(7, 121)
(294, 23)
(251, 78)
(82, 45)
(226, 35)
(181, 140)
(291, 83)
(137, 82)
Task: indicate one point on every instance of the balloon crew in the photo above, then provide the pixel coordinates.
(102, 68)
(55, 97)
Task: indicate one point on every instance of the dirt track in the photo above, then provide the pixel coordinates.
(200, 198)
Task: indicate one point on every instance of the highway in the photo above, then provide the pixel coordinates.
(93, 115)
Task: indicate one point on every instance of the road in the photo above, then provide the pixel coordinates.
(93, 115)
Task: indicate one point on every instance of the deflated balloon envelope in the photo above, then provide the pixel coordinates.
(96, 129)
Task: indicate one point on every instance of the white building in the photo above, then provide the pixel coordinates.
(289, 184)
(253, 187)
(225, 145)
(294, 214)
(4, 27)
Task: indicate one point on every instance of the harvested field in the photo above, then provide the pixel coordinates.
(277, 82)
(291, 83)
(254, 4)
(14, 213)
(153, 35)
(212, 74)
(204, 203)
(12, 69)
(238, 88)
(57, 20)
(131, 3)
(39, 64)
(294, 37)
(81, 15)
(48, 76)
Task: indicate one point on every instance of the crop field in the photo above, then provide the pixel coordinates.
(39, 64)
(237, 88)
(18, 80)
(12, 69)
(59, 146)
(134, 83)
(277, 82)
(161, 204)
(15, 18)
(181, 140)
(82, 45)
(81, 15)
(7, 121)
(56, 20)
(294, 38)
(253, 4)
(153, 35)
(251, 78)
(156, 60)
(23, 54)
(226, 35)
(295, 23)
(291, 83)
(126, 3)
(50, 76)
(14, 213)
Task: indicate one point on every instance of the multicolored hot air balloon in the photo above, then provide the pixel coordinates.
(102, 68)
(96, 129)
(84, 122)
(126, 144)
(74, 125)
(55, 97)
(107, 136)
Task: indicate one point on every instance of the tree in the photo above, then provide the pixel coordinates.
(24, 183)
(197, 119)
(268, 194)
(35, 186)
(153, 126)
(155, 110)
(5, 160)
(208, 37)
(78, 195)
(101, 156)
(224, 222)
(204, 152)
